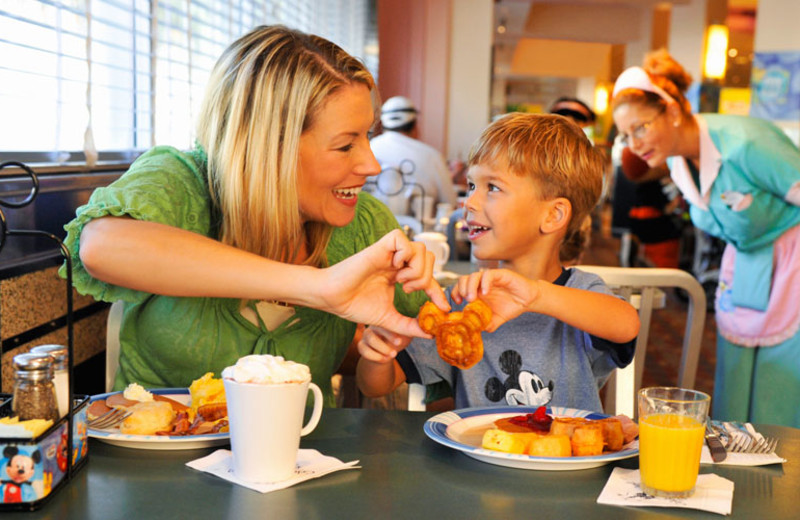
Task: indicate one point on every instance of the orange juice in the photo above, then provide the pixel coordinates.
(669, 452)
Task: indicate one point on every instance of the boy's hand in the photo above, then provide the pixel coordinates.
(507, 293)
(380, 345)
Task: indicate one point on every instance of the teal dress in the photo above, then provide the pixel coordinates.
(746, 191)
(167, 341)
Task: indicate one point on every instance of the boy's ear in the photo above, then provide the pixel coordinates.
(558, 216)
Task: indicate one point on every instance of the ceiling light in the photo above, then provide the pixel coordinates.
(716, 51)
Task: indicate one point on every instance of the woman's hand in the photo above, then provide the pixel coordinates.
(508, 294)
(361, 288)
(380, 345)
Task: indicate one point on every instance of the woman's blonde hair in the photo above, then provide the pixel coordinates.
(264, 92)
(664, 72)
(551, 150)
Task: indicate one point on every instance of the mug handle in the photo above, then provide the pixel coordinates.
(316, 413)
(446, 255)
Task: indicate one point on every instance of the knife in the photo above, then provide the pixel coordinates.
(715, 446)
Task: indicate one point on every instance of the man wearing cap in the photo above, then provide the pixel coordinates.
(576, 110)
(398, 144)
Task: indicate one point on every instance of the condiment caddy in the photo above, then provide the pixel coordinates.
(32, 469)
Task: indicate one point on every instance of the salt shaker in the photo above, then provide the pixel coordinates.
(34, 392)
(60, 374)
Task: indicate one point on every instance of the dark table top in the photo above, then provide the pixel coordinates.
(404, 474)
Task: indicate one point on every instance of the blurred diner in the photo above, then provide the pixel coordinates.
(425, 175)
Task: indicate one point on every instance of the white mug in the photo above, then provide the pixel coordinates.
(437, 244)
(422, 207)
(444, 210)
(266, 423)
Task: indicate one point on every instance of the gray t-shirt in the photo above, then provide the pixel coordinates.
(532, 360)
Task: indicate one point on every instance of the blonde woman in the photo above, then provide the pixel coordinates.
(257, 241)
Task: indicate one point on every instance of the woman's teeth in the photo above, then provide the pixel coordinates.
(347, 193)
(477, 229)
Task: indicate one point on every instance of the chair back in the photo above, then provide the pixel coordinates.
(641, 286)
(113, 325)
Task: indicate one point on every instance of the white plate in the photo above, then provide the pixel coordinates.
(159, 442)
(463, 430)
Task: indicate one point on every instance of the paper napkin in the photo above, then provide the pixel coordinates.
(712, 493)
(743, 459)
(311, 464)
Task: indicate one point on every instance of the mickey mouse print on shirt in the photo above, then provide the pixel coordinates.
(521, 387)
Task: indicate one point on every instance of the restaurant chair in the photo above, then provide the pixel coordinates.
(642, 287)
(416, 397)
(112, 342)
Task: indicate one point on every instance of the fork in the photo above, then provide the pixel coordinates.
(109, 419)
(746, 442)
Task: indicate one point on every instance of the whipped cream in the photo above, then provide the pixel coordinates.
(136, 392)
(267, 369)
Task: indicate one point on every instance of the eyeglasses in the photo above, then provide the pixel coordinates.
(639, 131)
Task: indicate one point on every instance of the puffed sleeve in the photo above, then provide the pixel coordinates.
(164, 185)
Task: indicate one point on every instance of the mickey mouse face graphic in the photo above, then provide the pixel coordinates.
(521, 387)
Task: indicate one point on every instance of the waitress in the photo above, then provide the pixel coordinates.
(741, 176)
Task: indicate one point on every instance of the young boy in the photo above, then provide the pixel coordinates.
(557, 333)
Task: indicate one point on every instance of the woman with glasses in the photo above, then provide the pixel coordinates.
(741, 177)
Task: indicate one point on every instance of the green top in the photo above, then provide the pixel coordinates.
(167, 341)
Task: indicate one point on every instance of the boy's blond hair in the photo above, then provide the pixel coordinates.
(551, 150)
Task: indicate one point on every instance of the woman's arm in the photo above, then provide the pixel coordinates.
(160, 259)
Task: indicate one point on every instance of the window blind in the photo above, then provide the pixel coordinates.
(103, 80)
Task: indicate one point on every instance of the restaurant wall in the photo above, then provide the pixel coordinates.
(414, 42)
(687, 29)
(470, 74)
(777, 25)
(439, 55)
(777, 31)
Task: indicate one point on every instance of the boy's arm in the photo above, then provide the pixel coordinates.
(377, 372)
(598, 314)
(510, 294)
(378, 379)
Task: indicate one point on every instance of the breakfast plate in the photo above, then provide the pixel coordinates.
(463, 430)
(159, 442)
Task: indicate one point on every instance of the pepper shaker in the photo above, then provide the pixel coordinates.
(60, 374)
(34, 392)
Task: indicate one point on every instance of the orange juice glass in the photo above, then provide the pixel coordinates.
(671, 432)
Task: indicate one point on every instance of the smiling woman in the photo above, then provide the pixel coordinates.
(335, 157)
(235, 247)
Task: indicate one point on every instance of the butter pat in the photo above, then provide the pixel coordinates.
(136, 392)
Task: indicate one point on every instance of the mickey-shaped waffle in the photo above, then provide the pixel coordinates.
(458, 334)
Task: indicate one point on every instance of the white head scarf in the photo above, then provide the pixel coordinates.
(636, 77)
